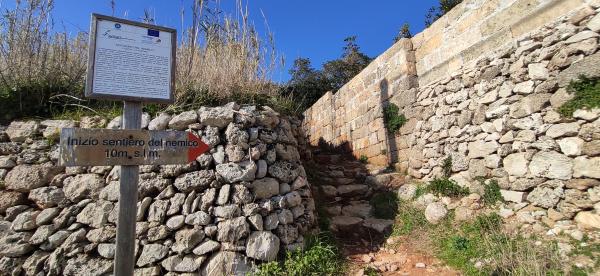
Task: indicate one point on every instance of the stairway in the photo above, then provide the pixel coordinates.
(344, 189)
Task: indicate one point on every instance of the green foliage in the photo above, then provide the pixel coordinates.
(447, 166)
(446, 187)
(408, 219)
(385, 205)
(491, 193)
(321, 257)
(371, 271)
(435, 13)
(403, 33)
(308, 84)
(363, 159)
(587, 96)
(392, 119)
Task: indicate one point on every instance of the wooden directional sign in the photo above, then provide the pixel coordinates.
(107, 147)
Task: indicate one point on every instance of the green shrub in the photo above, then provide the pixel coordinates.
(491, 193)
(363, 159)
(385, 205)
(447, 166)
(392, 119)
(446, 187)
(371, 271)
(587, 95)
(320, 257)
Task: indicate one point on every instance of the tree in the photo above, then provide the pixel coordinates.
(306, 84)
(435, 13)
(340, 71)
(403, 33)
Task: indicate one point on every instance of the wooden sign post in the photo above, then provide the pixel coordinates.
(132, 62)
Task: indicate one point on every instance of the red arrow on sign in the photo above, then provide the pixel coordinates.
(196, 151)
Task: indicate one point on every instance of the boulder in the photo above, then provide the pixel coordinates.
(160, 122)
(552, 165)
(84, 264)
(19, 131)
(435, 211)
(516, 164)
(265, 188)
(11, 198)
(586, 167)
(226, 263)
(588, 220)
(83, 186)
(24, 178)
(152, 253)
(215, 116)
(46, 197)
(262, 245)
(284, 171)
(232, 230)
(236, 172)
(182, 120)
(198, 181)
(53, 127)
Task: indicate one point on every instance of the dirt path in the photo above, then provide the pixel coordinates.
(397, 257)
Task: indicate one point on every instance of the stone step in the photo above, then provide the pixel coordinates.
(356, 227)
(352, 190)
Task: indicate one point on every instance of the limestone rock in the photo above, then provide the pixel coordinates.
(265, 188)
(480, 148)
(233, 229)
(262, 245)
(215, 116)
(588, 220)
(206, 247)
(226, 263)
(83, 186)
(24, 178)
(84, 264)
(587, 167)
(160, 122)
(198, 180)
(235, 172)
(46, 197)
(284, 171)
(435, 211)
(19, 131)
(516, 164)
(551, 165)
(11, 198)
(183, 120)
(152, 253)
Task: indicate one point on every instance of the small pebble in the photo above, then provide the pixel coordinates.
(420, 265)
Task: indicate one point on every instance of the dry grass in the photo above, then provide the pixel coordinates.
(221, 57)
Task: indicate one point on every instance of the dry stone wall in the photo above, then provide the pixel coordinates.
(488, 80)
(245, 201)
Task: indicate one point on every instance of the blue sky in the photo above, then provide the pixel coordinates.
(307, 28)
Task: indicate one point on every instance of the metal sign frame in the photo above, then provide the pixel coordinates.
(89, 93)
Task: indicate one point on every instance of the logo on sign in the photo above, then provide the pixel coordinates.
(117, 26)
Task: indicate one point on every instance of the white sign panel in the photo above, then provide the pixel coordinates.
(130, 60)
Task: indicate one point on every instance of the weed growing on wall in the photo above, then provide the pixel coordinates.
(392, 118)
(587, 95)
(447, 166)
(446, 187)
(363, 159)
(491, 193)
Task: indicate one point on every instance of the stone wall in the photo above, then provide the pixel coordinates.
(484, 88)
(245, 201)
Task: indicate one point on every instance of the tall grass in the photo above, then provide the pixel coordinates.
(220, 57)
